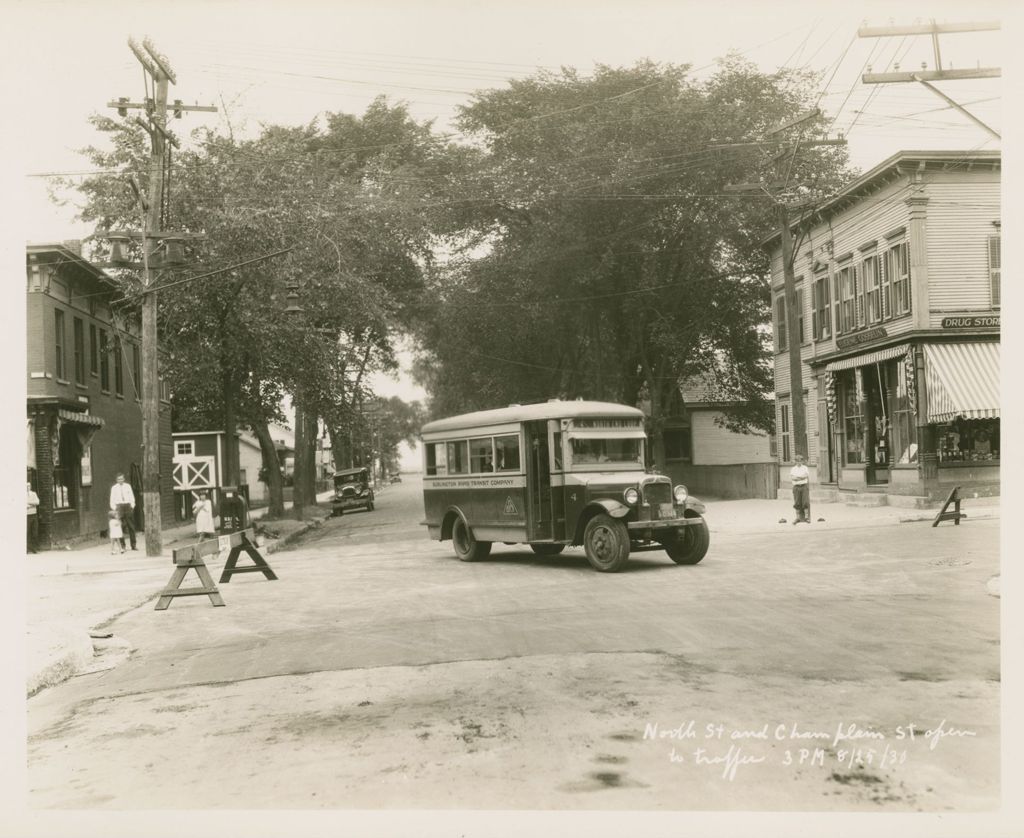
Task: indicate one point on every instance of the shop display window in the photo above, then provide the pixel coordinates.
(853, 419)
(967, 440)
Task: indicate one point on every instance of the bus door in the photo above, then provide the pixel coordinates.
(558, 490)
(538, 482)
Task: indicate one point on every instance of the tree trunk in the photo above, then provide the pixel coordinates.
(231, 398)
(272, 468)
(298, 478)
(309, 453)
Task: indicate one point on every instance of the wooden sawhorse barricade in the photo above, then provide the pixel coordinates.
(956, 514)
(191, 557)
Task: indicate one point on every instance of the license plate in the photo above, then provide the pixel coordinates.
(666, 510)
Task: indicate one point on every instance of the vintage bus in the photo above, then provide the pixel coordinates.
(552, 475)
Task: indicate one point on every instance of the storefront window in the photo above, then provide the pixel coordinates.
(904, 424)
(968, 440)
(853, 417)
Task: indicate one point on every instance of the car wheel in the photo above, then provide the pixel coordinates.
(690, 543)
(369, 506)
(467, 548)
(339, 512)
(547, 549)
(606, 541)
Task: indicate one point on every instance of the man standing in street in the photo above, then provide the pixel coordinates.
(32, 520)
(800, 477)
(122, 501)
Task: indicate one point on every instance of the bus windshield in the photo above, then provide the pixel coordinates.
(602, 450)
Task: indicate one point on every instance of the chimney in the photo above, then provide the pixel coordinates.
(74, 245)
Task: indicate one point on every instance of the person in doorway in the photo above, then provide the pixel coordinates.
(115, 532)
(202, 509)
(32, 520)
(800, 478)
(122, 501)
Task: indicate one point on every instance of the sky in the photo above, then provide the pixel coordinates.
(266, 62)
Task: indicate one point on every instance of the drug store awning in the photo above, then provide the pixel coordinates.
(962, 379)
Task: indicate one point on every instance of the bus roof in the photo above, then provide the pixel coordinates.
(551, 409)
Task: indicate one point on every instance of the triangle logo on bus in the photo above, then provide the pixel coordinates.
(510, 506)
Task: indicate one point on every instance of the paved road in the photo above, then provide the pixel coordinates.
(783, 672)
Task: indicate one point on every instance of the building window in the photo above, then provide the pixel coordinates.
(118, 367)
(821, 320)
(994, 268)
(104, 362)
(853, 416)
(136, 372)
(93, 350)
(800, 312)
(968, 440)
(848, 289)
(872, 289)
(58, 331)
(897, 268)
(904, 424)
(183, 448)
(79, 349)
(68, 452)
(784, 435)
(837, 297)
(781, 333)
(678, 445)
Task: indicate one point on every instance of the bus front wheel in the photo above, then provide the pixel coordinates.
(606, 541)
(689, 544)
(467, 548)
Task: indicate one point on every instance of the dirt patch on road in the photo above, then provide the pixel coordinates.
(602, 731)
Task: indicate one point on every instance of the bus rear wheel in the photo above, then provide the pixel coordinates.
(606, 542)
(689, 544)
(467, 548)
(547, 549)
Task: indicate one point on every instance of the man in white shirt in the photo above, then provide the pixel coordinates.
(800, 478)
(122, 501)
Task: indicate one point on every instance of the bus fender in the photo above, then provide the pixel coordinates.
(612, 507)
(696, 506)
(450, 514)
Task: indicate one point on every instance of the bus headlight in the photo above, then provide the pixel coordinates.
(680, 494)
(631, 495)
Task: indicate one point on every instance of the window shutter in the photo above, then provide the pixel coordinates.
(994, 267)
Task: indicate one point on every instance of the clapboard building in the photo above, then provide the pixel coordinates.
(898, 286)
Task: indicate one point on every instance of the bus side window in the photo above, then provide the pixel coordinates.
(557, 444)
(507, 450)
(458, 457)
(437, 463)
(481, 458)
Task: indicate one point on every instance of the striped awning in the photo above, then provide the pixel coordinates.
(962, 379)
(886, 354)
(80, 418)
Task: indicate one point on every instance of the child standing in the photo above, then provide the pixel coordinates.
(115, 532)
(800, 477)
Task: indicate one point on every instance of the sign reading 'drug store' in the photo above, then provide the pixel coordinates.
(987, 320)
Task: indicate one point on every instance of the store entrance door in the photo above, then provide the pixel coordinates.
(879, 427)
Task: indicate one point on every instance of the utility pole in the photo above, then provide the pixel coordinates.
(773, 190)
(925, 76)
(159, 70)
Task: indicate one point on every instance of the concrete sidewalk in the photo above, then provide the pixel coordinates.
(74, 593)
(756, 515)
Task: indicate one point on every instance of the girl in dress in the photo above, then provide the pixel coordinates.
(115, 532)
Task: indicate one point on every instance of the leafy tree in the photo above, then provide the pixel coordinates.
(615, 265)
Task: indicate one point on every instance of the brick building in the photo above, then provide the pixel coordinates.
(83, 397)
(898, 288)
